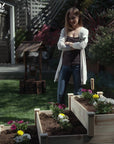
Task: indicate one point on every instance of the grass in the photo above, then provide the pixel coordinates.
(16, 106)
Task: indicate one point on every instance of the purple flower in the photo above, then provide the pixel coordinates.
(90, 91)
(16, 121)
(13, 127)
(20, 122)
(60, 106)
(84, 90)
(63, 105)
(10, 122)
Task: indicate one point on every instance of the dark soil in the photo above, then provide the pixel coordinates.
(52, 127)
(86, 104)
(6, 137)
(49, 126)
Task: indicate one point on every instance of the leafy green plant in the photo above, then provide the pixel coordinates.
(102, 48)
(102, 104)
(93, 5)
(18, 125)
(103, 107)
(22, 138)
(59, 116)
(56, 109)
(96, 19)
(64, 121)
(87, 94)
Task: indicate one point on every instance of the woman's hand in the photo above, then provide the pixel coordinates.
(69, 44)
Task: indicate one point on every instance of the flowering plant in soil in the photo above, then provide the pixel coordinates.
(57, 108)
(87, 94)
(22, 138)
(64, 121)
(20, 127)
(102, 104)
(58, 114)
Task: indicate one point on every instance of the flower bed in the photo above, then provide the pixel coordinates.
(7, 135)
(55, 134)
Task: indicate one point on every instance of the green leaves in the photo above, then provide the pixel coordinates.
(103, 107)
(102, 48)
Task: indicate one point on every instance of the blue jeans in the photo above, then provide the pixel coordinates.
(63, 80)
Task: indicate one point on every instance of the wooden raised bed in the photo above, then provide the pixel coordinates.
(44, 138)
(100, 127)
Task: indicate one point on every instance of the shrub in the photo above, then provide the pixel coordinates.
(102, 48)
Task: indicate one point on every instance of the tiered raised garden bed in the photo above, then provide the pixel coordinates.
(100, 127)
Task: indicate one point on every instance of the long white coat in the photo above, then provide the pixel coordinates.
(83, 34)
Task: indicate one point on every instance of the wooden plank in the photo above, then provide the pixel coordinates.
(80, 112)
(38, 124)
(104, 124)
(69, 100)
(67, 139)
(103, 119)
(85, 117)
(98, 139)
(44, 138)
(90, 130)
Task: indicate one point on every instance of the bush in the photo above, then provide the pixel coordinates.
(102, 48)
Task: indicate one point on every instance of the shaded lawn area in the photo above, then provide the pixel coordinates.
(16, 106)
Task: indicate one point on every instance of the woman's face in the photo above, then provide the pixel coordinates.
(73, 20)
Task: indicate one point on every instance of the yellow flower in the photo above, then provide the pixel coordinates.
(95, 96)
(62, 114)
(20, 132)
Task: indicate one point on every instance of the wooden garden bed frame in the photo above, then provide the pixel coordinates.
(58, 139)
(100, 126)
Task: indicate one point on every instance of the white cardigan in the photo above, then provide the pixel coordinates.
(83, 34)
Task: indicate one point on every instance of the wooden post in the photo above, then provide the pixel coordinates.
(69, 100)
(44, 138)
(35, 111)
(25, 63)
(91, 124)
(40, 64)
(92, 83)
(100, 93)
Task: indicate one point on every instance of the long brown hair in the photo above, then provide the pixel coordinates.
(75, 12)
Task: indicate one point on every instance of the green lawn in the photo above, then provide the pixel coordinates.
(15, 106)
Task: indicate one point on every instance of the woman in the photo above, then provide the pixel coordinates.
(72, 42)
